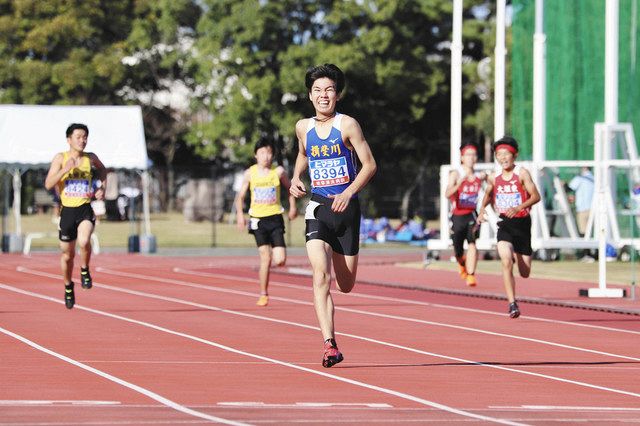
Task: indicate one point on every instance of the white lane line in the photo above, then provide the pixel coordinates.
(367, 339)
(392, 299)
(392, 392)
(146, 392)
(68, 402)
(355, 311)
(563, 408)
(259, 404)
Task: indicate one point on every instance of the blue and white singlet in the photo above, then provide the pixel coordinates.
(332, 166)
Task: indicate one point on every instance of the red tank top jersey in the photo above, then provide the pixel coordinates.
(509, 193)
(466, 199)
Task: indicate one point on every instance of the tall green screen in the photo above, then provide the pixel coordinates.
(575, 31)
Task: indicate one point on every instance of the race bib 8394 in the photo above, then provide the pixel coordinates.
(329, 172)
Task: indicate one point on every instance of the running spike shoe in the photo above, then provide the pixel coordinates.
(69, 296)
(332, 355)
(471, 280)
(514, 311)
(85, 278)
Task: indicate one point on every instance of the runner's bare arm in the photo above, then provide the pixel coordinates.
(530, 186)
(56, 171)
(488, 191)
(286, 184)
(101, 175)
(239, 201)
(297, 186)
(453, 184)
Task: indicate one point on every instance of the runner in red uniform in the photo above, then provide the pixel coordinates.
(512, 192)
(463, 188)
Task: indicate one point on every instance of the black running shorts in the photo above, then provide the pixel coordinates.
(517, 231)
(340, 230)
(70, 218)
(463, 227)
(268, 230)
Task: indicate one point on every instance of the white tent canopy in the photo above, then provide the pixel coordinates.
(32, 134)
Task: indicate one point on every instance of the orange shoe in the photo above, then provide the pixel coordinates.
(471, 280)
(462, 270)
(263, 300)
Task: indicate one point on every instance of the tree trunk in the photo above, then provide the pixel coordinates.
(170, 186)
(170, 155)
(406, 196)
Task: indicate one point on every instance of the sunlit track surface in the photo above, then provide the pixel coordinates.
(180, 341)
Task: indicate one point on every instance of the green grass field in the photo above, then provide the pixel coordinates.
(170, 230)
(173, 231)
(568, 270)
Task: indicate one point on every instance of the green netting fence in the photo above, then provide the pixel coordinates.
(575, 31)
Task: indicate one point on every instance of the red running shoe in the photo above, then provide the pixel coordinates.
(332, 355)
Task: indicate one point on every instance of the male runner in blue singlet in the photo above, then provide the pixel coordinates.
(328, 144)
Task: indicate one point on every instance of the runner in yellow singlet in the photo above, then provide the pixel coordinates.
(79, 176)
(264, 181)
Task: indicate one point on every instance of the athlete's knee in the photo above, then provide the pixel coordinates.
(507, 261)
(265, 260)
(279, 257)
(68, 255)
(84, 245)
(321, 278)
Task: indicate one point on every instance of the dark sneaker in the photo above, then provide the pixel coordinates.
(332, 355)
(514, 311)
(69, 296)
(85, 278)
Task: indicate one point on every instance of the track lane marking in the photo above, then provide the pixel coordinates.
(387, 391)
(54, 402)
(391, 299)
(139, 389)
(362, 312)
(358, 337)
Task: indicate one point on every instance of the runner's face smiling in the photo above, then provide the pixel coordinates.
(323, 95)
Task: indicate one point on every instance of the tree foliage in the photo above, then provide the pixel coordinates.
(395, 54)
(215, 75)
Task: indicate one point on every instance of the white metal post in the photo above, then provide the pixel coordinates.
(444, 203)
(601, 180)
(499, 83)
(456, 83)
(611, 64)
(145, 202)
(539, 86)
(17, 201)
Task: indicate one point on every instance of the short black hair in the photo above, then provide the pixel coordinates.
(264, 142)
(76, 126)
(329, 71)
(505, 140)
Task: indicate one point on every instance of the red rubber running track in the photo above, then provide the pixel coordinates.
(173, 340)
